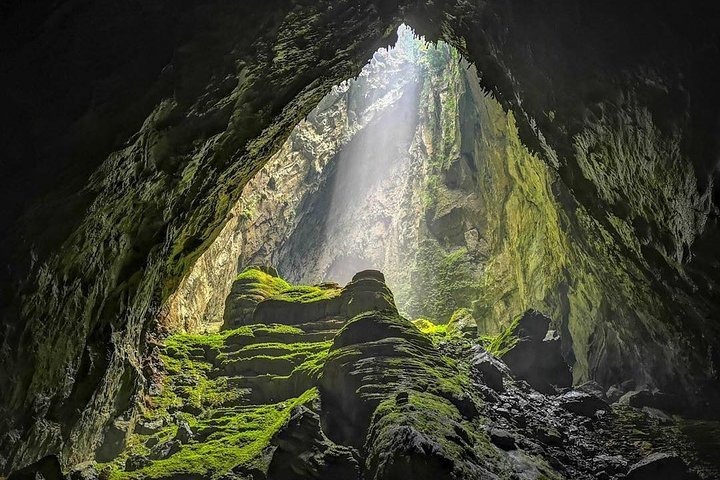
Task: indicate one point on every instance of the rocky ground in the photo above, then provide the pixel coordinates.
(323, 382)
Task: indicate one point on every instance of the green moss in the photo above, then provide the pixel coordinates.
(428, 327)
(306, 294)
(442, 281)
(505, 340)
(229, 431)
(238, 439)
(312, 364)
(261, 283)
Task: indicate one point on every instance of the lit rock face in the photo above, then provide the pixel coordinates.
(130, 132)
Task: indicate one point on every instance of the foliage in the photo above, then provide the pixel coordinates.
(429, 328)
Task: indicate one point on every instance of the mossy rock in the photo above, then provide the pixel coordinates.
(366, 292)
(373, 326)
(299, 304)
(423, 436)
(373, 357)
(252, 286)
(462, 323)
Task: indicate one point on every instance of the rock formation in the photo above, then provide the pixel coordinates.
(318, 382)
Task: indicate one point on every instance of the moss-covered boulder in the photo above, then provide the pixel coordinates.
(300, 304)
(228, 401)
(252, 286)
(463, 323)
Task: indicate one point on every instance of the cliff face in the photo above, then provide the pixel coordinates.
(130, 131)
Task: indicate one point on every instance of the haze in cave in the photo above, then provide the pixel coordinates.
(311, 241)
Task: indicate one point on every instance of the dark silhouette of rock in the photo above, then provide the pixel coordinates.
(582, 403)
(537, 356)
(533, 325)
(303, 451)
(593, 388)
(490, 369)
(47, 468)
(661, 466)
(502, 439)
(653, 399)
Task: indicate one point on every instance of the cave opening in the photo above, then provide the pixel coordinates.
(406, 169)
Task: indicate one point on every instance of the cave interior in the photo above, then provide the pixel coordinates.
(367, 240)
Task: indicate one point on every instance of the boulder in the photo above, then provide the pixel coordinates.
(591, 387)
(614, 393)
(648, 398)
(462, 323)
(536, 355)
(297, 305)
(149, 427)
(165, 449)
(47, 468)
(661, 466)
(581, 403)
(502, 439)
(490, 369)
(251, 287)
(367, 292)
(549, 435)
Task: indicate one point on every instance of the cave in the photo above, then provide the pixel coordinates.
(359, 240)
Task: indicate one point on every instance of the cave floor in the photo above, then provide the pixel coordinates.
(268, 400)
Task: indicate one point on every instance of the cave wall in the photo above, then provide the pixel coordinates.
(130, 130)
